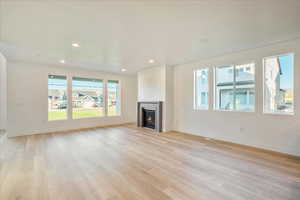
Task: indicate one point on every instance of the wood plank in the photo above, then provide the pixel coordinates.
(126, 162)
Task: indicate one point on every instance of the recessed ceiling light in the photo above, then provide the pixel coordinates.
(62, 61)
(151, 61)
(75, 44)
(123, 70)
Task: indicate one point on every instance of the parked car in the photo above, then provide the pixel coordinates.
(62, 106)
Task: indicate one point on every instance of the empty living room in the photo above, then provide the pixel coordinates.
(149, 99)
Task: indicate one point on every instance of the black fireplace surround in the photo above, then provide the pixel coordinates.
(150, 115)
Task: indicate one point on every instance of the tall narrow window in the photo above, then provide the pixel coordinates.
(87, 98)
(113, 98)
(235, 87)
(201, 89)
(279, 84)
(224, 88)
(245, 87)
(57, 98)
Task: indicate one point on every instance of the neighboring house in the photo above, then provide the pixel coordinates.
(57, 99)
(202, 89)
(288, 96)
(86, 99)
(275, 95)
(244, 83)
(80, 99)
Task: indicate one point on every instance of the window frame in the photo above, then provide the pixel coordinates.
(216, 107)
(67, 93)
(71, 91)
(106, 98)
(196, 89)
(264, 85)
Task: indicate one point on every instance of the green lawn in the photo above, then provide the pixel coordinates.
(81, 113)
(57, 115)
(88, 113)
(111, 111)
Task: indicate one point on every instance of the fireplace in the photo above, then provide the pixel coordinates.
(148, 118)
(150, 115)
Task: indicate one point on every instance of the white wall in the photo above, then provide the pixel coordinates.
(156, 84)
(3, 91)
(151, 84)
(28, 99)
(168, 111)
(273, 132)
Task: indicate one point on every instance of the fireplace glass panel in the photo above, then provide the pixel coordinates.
(149, 118)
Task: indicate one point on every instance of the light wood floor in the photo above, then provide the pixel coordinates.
(135, 164)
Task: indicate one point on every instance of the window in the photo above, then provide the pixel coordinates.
(113, 98)
(57, 98)
(201, 89)
(278, 84)
(87, 98)
(235, 87)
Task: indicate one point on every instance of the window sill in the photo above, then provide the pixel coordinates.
(113, 115)
(279, 114)
(57, 120)
(75, 119)
(201, 109)
(99, 117)
(236, 111)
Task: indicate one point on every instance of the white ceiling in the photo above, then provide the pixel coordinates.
(126, 34)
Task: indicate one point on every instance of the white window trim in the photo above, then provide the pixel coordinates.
(67, 91)
(106, 98)
(196, 89)
(264, 86)
(234, 88)
(71, 91)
